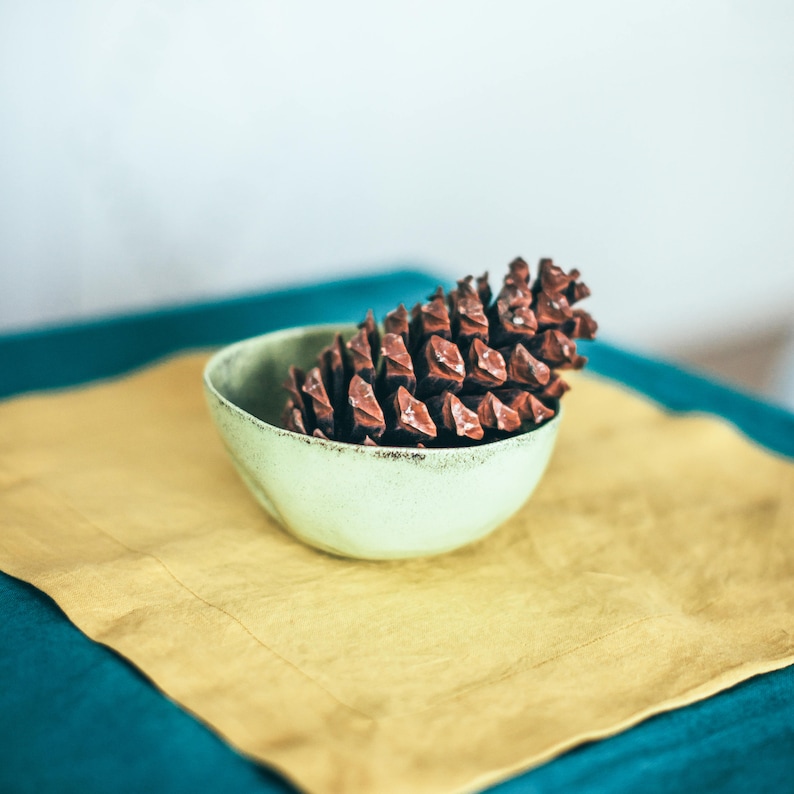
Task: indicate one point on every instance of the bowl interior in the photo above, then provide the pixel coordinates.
(250, 374)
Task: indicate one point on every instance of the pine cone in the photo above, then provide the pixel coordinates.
(459, 369)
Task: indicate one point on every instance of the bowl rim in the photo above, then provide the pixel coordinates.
(381, 451)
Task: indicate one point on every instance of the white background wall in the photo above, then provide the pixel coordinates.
(153, 152)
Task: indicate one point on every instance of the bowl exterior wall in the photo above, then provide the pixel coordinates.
(375, 503)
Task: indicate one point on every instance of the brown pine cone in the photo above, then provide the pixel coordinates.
(464, 368)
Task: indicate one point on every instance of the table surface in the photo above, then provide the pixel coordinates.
(78, 717)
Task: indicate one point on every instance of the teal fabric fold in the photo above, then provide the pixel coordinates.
(74, 716)
(68, 355)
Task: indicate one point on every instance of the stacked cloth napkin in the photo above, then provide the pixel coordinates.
(653, 567)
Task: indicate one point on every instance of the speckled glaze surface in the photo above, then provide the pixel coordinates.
(352, 500)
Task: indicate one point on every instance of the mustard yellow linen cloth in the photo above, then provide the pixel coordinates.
(653, 567)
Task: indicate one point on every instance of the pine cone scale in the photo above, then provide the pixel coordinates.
(412, 417)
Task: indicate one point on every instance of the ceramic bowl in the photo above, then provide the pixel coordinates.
(351, 500)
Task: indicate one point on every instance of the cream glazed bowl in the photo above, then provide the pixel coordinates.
(373, 503)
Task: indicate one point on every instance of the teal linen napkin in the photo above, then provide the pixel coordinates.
(114, 731)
